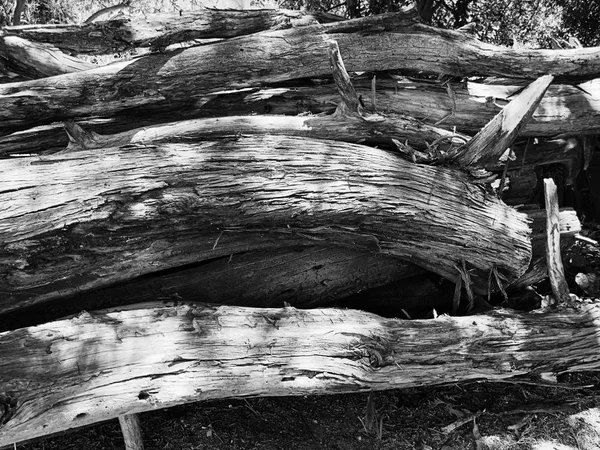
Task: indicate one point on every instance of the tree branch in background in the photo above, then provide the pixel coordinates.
(19, 6)
(108, 10)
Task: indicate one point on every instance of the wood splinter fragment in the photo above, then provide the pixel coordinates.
(556, 272)
(350, 104)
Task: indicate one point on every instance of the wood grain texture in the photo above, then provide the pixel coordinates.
(35, 60)
(160, 30)
(175, 80)
(374, 130)
(487, 146)
(98, 366)
(77, 221)
(556, 271)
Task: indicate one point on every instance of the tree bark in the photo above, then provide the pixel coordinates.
(34, 60)
(161, 30)
(99, 366)
(164, 82)
(304, 275)
(77, 221)
(563, 110)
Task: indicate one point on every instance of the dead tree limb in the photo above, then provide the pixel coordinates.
(161, 30)
(164, 82)
(34, 60)
(98, 366)
(79, 221)
(497, 136)
(107, 10)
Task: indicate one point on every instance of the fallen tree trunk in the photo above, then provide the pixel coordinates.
(161, 30)
(562, 110)
(373, 130)
(162, 82)
(34, 60)
(79, 221)
(304, 276)
(98, 366)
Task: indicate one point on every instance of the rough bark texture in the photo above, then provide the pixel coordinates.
(373, 130)
(95, 367)
(33, 60)
(300, 273)
(77, 221)
(175, 80)
(160, 30)
(563, 110)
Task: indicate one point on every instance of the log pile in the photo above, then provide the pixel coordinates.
(276, 160)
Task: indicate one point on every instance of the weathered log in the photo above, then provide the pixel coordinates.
(34, 60)
(374, 130)
(162, 82)
(99, 366)
(563, 110)
(78, 221)
(304, 276)
(160, 30)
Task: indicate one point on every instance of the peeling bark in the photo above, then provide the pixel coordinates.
(98, 366)
(160, 30)
(33, 60)
(164, 82)
(78, 221)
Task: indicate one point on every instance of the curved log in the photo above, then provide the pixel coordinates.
(76, 221)
(34, 60)
(159, 83)
(95, 367)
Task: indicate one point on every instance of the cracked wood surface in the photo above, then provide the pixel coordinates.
(77, 221)
(487, 146)
(174, 80)
(564, 109)
(100, 365)
(160, 30)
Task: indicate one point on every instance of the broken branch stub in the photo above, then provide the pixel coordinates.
(491, 142)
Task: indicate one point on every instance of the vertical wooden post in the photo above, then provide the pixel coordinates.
(556, 271)
(132, 433)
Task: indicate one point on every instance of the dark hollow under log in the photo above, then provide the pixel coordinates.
(79, 221)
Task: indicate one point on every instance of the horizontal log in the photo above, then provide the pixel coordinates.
(98, 366)
(161, 82)
(375, 130)
(34, 60)
(563, 110)
(79, 221)
(304, 276)
(162, 29)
